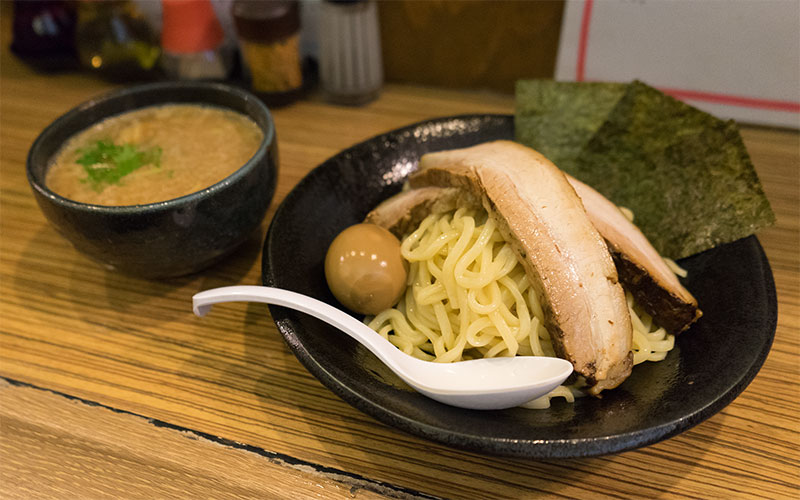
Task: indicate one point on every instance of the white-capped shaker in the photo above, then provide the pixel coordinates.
(351, 66)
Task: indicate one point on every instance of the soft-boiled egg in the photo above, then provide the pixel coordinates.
(365, 270)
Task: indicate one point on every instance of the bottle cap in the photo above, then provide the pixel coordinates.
(190, 26)
(266, 22)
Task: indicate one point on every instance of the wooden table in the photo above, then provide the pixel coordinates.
(112, 388)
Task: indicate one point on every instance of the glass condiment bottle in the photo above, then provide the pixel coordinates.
(193, 41)
(115, 40)
(351, 64)
(269, 40)
(44, 33)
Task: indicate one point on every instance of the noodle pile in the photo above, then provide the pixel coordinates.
(469, 297)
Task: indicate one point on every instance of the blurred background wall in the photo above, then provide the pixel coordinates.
(736, 59)
(469, 44)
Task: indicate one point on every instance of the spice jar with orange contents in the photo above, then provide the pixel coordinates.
(269, 39)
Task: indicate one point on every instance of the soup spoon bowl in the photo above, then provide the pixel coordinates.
(479, 384)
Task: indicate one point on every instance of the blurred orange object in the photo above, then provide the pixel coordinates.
(193, 41)
(190, 26)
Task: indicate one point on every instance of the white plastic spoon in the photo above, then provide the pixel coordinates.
(480, 384)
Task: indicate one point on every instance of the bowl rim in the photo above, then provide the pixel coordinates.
(119, 93)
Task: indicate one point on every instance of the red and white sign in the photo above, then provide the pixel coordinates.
(735, 59)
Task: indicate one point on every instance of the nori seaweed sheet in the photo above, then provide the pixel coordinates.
(685, 174)
(558, 118)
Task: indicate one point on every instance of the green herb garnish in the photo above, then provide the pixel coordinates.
(106, 163)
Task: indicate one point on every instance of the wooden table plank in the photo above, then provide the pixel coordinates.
(49, 451)
(70, 326)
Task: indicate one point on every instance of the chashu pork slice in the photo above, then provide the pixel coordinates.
(403, 212)
(538, 211)
(641, 268)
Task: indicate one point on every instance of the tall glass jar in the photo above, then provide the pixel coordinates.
(269, 40)
(115, 40)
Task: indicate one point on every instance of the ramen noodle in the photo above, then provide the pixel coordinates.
(468, 297)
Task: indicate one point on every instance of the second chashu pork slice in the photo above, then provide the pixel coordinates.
(538, 211)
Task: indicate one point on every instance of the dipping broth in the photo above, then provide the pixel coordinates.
(153, 154)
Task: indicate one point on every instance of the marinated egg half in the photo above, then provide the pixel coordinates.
(365, 270)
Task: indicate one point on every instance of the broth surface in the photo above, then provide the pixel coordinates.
(197, 146)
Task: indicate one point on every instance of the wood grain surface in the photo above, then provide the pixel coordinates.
(112, 388)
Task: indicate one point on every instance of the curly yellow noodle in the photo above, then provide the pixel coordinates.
(468, 297)
(491, 302)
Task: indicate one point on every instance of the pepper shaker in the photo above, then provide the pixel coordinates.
(351, 65)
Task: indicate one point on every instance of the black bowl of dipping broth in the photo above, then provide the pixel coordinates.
(172, 237)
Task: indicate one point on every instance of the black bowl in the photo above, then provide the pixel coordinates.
(172, 237)
(711, 364)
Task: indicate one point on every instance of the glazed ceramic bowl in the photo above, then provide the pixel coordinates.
(711, 364)
(173, 237)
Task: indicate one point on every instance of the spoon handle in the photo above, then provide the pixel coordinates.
(382, 348)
